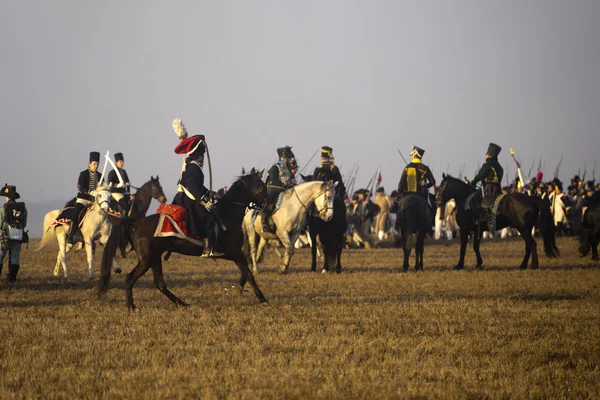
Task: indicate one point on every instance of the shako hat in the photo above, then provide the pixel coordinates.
(119, 157)
(493, 150)
(380, 189)
(326, 152)
(94, 156)
(417, 152)
(10, 191)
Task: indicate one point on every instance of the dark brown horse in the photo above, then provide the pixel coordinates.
(248, 190)
(516, 210)
(412, 225)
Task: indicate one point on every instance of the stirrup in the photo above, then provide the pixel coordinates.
(207, 253)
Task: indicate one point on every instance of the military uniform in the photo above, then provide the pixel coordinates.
(491, 172)
(192, 194)
(417, 178)
(120, 191)
(87, 182)
(13, 220)
(280, 179)
(327, 171)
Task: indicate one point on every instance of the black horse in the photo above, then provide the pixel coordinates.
(589, 237)
(412, 221)
(246, 190)
(332, 234)
(516, 210)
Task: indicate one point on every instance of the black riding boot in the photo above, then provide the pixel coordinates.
(13, 270)
(210, 239)
(79, 208)
(266, 226)
(124, 208)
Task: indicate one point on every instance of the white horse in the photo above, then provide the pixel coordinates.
(289, 219)
(95, 226)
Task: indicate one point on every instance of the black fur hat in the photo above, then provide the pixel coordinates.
(119, 157)
(94, 156)
(493, 150)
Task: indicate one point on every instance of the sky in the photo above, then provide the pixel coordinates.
(364, 77)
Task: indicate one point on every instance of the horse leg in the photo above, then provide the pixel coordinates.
(116, 267)
(247, 276)
(406, 248)
(313, 250)
(526, 235)
(594, 243)
(419, 250)
(287, 242)
(140, 269)
(259, 250)
(476, 243)
(90, 257)
(62, 256)
(159, 282)
(534, 254)
(464, 239)
(339, 244)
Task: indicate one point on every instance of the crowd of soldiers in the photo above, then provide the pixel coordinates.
(369, 220)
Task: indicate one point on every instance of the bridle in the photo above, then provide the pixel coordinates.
(252, 205)
(321, 211)
(96, 202)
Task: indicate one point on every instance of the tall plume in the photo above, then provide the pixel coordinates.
(179, 129)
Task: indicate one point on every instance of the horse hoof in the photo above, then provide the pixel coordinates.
(479, 267)
(118, 270)
(523, 266)
(240, 289)
(324, 271)
(263, 300)
(282, 270)
(458, 267)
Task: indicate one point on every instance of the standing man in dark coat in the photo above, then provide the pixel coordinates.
(13, 220)
(490, 175)
(327, 171)
(120, 188)
(417, 178)
(87, 182)
(279, 180)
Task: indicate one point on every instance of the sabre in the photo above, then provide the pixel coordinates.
(309, 160)
(399, 152)
(103, 169)
(512, 153)
(112, 164)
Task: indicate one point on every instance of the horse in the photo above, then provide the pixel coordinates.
(516, 210)
(95, 225)
(289, 219)
(412, 220)
(589, 236)
(331, 234)
(247, 190)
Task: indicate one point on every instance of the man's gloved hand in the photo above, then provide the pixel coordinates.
(120, 185)
(207, 203)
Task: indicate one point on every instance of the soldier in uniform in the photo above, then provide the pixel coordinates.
(327, 171)
(490, 175)
(417, 178)
(120, 189)
(13, 220)
(87, 182)
(279, 180)
(193, 195)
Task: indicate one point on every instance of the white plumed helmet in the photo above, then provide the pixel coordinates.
(179, 129)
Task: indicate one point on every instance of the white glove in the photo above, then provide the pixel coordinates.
(120, 185)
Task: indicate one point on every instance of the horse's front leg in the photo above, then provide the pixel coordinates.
(313, 250)
(476, 243)
(526, 235)
(258, 254)
(288, 243)
(90, 256)
(464, 239)
(61, 258)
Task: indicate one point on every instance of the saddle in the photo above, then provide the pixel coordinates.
(172, 222)
(67, 215)
(278, 203)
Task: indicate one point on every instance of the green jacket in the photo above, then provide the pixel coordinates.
(491, 172)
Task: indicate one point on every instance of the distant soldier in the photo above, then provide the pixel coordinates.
(120, 187)
(417, 178)
(490, 175)
(381, 220)
(87, 182)
(13, 220)
(327, 171)
(281, 178)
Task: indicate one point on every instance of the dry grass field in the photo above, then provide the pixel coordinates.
(370, 332)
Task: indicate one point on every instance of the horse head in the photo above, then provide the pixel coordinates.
(324, 201)
(102, 196)
(157, 190)
(452, 188)
(256, 188)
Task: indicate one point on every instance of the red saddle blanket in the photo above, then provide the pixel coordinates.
(178, 215)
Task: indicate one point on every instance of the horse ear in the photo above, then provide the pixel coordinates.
(252, 171)
(156, 178)
(443, 175)
(260, 174)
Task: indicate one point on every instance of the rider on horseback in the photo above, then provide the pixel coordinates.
(417, 178)
(490, 175)
(87, 182)
(120, 187)
(192, 194)
(281, 178)
(327, 171)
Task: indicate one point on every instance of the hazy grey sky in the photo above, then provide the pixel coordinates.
(364, 77)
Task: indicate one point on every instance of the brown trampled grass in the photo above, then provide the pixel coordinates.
(370, 332)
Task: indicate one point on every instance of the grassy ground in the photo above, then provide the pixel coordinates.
(370, 332)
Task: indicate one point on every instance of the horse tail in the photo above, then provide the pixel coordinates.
(111, 246)
(548, 229)
(47, 232)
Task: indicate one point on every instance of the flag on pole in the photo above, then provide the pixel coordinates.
(378, 178)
